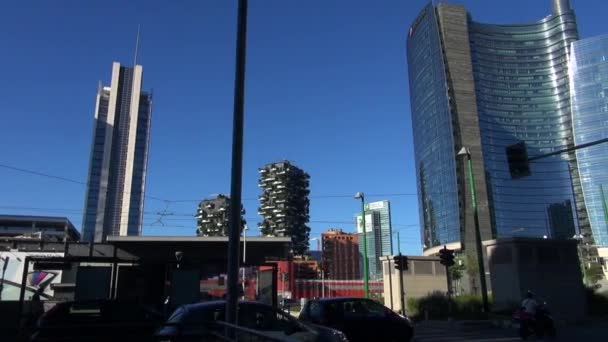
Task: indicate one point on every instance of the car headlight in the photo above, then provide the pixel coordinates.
(406, 318)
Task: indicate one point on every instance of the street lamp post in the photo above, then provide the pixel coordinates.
(360, 195)
(482, 273)
(579, 246)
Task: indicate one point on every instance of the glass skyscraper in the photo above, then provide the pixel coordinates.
(589, 94)
(119, 154)
(485, 87)
(378, 234)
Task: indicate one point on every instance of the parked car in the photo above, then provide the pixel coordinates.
(359, 319)
(97, 321)
(256, 321)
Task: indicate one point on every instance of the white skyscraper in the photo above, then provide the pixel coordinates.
(117, 171)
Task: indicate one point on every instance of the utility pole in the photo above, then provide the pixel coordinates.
(400, 265)
(360, 195)
(390, 280)
(236, 178)
(401, 290)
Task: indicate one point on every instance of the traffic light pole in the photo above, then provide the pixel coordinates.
(570, 149)
(390, 279)
(449, 280)
(401, 291)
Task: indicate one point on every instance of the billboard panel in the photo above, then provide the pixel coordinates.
(38, 281)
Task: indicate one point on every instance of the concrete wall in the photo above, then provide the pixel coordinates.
(424, 275)
(549, 268)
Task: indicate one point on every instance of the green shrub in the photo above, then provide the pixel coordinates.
(468, 307)
(437, 306)
(597, 302)
(413, 307)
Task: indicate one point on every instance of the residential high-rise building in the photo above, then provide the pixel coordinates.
(212, 216)
(484, 87)
(284, 203)
(119, 154)
(378, 235)
(340, 255)
(589, 94)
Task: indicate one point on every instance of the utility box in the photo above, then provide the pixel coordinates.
(423, 276)
(550, 268)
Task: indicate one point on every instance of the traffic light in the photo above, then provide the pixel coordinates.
(400, 262)
(446, 256)
(517, 157)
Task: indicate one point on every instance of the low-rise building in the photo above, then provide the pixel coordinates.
(47, 228)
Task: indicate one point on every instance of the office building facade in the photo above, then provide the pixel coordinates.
(378, 235)
(284, 203)
(485, 87)
(340, 255)
(589, 94)
(119, 154)
(213, 215)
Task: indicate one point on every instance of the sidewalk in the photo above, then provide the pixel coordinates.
(462, 325)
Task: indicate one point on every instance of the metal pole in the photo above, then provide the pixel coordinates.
(244, 258)
(237, 166)
(322, 283)
(482, 272)
(398, 244)
(401, 291)
(390, 279)
(365, 257)
(26, 265)
(449, 280)
(5, 261)
(570, 149)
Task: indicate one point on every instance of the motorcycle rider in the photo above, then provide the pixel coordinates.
(529, 304)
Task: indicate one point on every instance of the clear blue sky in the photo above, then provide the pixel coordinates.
(326, 88)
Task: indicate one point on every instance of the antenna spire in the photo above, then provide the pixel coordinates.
(136, 45)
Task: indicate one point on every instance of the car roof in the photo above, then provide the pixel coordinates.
(339, 299)
(216, 303)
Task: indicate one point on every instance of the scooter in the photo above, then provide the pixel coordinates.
(541, 324)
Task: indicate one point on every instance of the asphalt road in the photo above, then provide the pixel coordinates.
(596, 331)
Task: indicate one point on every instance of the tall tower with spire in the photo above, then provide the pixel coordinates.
(116, 182)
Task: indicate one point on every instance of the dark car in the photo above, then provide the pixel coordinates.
(97, 321)
(359, 318)
(256, 321)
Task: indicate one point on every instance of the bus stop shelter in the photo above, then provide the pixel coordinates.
(156, 270)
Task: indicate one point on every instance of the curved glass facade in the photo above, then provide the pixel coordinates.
(433, 133)
(485, 87)
(589, 84)
(522, 89)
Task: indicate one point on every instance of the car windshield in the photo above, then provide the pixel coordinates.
(363, 308)
(177, 316)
